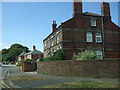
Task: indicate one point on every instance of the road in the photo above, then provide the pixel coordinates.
(3, 70)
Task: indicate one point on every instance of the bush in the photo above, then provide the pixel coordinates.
(86, 56)
(27, 59)
(19, 63)
(58, 55)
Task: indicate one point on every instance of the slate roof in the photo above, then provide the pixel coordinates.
(91, 14)
(31, 53)
(22, 54)
(34, 52)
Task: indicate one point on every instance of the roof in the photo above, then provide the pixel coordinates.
(92, 14)
(22, 54)
(34, 52)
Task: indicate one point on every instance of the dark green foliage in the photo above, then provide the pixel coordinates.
(4, 51)
(58, 55)
(12, 53)
(27, 59)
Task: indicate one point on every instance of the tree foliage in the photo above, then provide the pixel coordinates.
(12, 53)
(58, 55)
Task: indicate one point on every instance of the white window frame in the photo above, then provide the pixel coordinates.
(89, 37)
(99, 54)
(98, 37)
(90, 51)
(57, 38)
(93, 22)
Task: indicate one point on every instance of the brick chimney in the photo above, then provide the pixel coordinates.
(105, 9)
(34, 47)
(54, 25)
(77, 7)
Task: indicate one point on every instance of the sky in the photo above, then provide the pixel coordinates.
(29, 23)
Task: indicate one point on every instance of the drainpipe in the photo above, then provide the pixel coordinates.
(103, 36)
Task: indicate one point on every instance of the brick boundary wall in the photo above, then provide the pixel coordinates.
(88, 68)
(29, 66)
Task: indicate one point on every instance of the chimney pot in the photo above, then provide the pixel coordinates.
(34, 47)
(54, 25)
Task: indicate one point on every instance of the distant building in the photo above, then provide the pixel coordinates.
(85, 31)
(34, 55)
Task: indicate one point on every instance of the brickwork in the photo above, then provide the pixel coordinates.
(73, 33)
(91, 68)
(29, 66)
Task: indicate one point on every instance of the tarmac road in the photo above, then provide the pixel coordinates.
(49, 79)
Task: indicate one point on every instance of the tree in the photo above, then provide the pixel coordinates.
(12, 53)
(4, 51)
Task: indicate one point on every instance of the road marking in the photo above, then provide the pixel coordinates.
(3, 83)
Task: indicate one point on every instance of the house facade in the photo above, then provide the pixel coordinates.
(34, 55)
(85, 31)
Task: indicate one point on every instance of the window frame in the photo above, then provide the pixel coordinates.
(98, 36)
(89, 37)
(93, 22)
(99, 53)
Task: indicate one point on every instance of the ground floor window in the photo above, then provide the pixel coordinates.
(99, 54)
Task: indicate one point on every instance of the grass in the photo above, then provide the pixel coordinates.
(25, 78)
(85, 84)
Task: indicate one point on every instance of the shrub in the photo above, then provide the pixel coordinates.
(27, 59)
(58, 55)
(19, 63)
(86, 56)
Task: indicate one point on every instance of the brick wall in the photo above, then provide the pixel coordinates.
(29, 66)
(91, 68)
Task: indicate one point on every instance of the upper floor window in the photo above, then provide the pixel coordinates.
(98, 37)
(89, 37)
(57, 38)
(93, 22)
(99, 54)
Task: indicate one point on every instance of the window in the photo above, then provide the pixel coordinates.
(59, 47)
(57, 38)
(48, 44)
(89, 37)
(98, 37)
(93, 22)
(90, 51)
(99, 54)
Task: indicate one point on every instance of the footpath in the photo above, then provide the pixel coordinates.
(47, 79)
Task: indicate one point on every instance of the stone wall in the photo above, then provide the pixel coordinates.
(89, 68)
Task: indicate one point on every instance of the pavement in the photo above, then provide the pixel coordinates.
(48, 79)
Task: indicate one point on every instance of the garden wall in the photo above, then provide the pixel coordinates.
(29, 66)
(88, 68)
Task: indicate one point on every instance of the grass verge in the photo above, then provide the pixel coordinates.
(25, 78)
(85, 84)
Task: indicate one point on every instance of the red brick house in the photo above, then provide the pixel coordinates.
(85, 31)
(34, 55)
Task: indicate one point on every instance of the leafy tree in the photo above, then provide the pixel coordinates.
(12, 53)
(4, 51)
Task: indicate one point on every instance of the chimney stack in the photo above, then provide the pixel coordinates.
(77, 7)
(33, 47)
(54, 25)
(105, 9)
